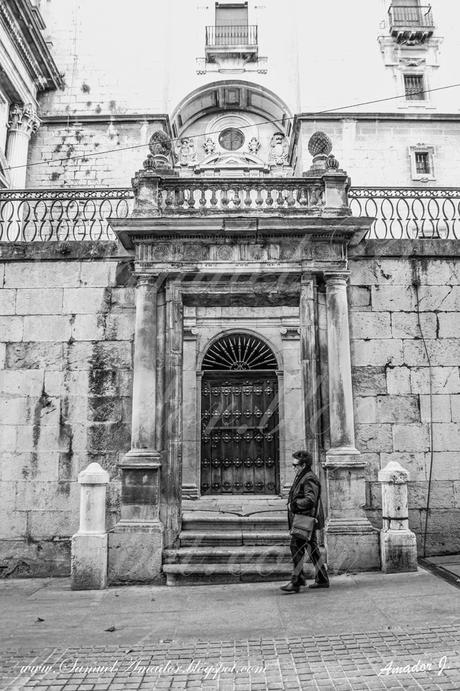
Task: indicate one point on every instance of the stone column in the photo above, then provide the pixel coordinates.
(89, 545)
(171, 472)
(308, 354)
(398, 544)
(352, 542)
(22, 123)
(136, 543)
(342, 429)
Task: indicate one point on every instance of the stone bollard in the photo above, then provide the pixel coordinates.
(89, 545)
(398, 546)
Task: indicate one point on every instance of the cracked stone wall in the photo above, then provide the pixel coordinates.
(66, 337)
(405, 331)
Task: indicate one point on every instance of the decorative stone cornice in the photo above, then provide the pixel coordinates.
(24, 26)
(23, 119)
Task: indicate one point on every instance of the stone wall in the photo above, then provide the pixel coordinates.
(66, 338)
(66, 332)
(405, 331)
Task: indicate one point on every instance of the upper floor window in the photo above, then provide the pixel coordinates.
(422, 162)
(414, 87)
(231, 26)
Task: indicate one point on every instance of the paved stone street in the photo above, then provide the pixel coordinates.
(369, 631)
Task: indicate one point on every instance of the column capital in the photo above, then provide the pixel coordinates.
(339, 278)
(148, 280)
(24, 119)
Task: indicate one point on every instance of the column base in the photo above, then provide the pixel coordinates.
(352, 545)
(344, 457)
(135, 552)
(89, 562)
(398, 550)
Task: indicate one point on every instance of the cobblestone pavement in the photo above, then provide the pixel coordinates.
(418, 658)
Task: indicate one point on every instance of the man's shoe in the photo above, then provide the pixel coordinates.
(290, 587)
(319, 585)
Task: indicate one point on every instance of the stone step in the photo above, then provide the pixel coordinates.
(195, 521)
(227, 538)
(229, 555)
(215, 573)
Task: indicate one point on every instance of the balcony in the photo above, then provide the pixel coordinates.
(411, 24)
(63, 215)
(231, 41)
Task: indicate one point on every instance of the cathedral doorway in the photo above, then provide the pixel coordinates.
(239, 417)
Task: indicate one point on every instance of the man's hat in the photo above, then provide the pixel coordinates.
(303, 456)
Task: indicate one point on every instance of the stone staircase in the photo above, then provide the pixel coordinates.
(219, 545)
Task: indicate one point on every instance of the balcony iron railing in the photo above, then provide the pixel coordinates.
(409, 21)
(409, 212)
(231, 36)
(81, 214)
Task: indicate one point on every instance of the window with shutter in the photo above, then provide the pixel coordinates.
(231, 23)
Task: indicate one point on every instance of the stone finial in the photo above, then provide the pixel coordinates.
(93, 475)
(394, 473)
(332, 163)
(320, 147)
(160, 148)
(319, 144)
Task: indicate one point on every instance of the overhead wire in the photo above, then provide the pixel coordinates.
(284, 119)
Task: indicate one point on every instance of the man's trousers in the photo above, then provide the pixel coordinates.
(298, 547)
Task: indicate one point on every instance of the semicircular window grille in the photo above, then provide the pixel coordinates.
(239, 352)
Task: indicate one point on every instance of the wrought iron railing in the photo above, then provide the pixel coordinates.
(61, 214)
(411, 17)
(81, 214)
(408, 212)
(228, 36)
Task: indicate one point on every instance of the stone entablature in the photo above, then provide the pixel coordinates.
(25, 25)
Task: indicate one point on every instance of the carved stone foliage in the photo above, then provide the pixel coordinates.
(279, 150)
(23, 118)
(296, 249)
(254, 145)
(209, 146)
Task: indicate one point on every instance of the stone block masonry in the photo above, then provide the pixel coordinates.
(66, 347)
(404, 317)
(66, 338)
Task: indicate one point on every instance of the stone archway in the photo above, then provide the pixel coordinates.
(240, 447)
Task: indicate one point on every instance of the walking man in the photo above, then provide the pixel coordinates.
(305, 498)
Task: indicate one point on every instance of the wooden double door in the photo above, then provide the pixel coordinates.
(239, 433)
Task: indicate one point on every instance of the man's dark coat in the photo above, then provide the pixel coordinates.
(304, 496)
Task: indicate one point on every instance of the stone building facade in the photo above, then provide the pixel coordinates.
(236, 270)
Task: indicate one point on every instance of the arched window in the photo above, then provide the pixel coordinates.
(239, 352)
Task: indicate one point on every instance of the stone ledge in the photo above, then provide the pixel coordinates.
(405, 248)
(73, 249)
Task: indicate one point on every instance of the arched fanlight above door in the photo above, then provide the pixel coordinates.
(239, 352)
